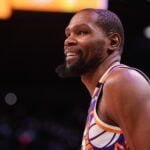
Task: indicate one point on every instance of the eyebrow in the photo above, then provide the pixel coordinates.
(76, 26)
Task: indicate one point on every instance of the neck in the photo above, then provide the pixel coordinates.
(91, 79)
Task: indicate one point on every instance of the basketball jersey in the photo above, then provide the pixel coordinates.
(99, 135)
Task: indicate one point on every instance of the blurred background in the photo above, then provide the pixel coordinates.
(38, 110)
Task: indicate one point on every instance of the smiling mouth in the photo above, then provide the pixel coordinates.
(70, 56)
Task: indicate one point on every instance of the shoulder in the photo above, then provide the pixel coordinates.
(126, 79)
(125, 91)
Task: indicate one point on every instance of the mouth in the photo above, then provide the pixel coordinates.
(70, 57)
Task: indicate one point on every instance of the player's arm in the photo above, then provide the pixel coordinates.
(127, 96)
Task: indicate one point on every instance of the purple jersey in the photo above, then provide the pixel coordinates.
(98, 135)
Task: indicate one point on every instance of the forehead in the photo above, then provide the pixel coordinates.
(83, 17)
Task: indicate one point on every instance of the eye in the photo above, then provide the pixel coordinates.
(82, 32)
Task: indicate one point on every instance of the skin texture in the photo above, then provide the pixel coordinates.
(126, 93)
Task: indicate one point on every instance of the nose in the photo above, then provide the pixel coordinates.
(70, 41)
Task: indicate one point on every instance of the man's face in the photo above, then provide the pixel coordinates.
(85, 45)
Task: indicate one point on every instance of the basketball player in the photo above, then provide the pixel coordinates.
(119, 113)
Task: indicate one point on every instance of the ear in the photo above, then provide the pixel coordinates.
(115, 41)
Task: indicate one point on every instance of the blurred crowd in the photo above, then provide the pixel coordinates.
(27, 131)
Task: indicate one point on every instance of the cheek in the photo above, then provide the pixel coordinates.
(94, 49)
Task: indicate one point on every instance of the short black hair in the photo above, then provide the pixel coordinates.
(109, 22)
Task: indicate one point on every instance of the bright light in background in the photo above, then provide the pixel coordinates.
(58, 5)
(11, 98)
(147, 32)
(41, 2)
(6, 6)
(5, 9)
(102, 4)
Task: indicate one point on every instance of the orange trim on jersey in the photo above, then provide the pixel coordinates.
(88, 147)
(92, 112)
(119, 147)
(96, 89)
(106, 128)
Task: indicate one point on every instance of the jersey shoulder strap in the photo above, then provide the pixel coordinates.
(109, 70)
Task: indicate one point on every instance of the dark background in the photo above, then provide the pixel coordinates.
(50, 112)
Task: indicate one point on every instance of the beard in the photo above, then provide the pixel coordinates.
(77, 69)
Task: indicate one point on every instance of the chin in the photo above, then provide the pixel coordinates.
(65, 71)
(76, 69)
(70, 69)
(72, 62)
(69, 65)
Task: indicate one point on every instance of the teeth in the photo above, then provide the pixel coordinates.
(70, 54)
